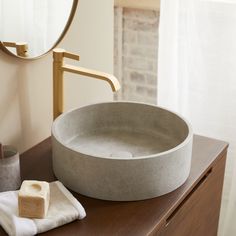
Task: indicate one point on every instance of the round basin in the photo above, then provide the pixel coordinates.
(121, 151)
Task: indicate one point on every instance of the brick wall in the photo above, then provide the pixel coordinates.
(135, 53)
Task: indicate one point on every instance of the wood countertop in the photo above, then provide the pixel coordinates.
(124, 218)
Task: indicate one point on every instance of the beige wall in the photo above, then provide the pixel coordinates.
(141, 4)
(26, 86)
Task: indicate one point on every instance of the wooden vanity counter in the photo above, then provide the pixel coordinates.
(193, 209)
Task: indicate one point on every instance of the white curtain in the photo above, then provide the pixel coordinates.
(197, 77)
(39, 23)
(21, 22)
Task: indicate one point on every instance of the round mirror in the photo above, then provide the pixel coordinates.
(31, 28)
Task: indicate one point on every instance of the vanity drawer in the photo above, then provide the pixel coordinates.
(198, 213)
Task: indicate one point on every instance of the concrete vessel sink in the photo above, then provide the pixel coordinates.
(121, 151)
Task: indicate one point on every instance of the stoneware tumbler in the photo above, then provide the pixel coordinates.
(10, 178)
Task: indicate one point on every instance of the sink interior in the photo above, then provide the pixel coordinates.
(121, 130)
(125, 143)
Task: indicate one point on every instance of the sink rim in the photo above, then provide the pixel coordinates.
(155, 155)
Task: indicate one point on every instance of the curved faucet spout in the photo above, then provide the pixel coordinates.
(59, 68)
(111, 79)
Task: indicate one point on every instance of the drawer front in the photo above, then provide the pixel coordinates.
(198, 214)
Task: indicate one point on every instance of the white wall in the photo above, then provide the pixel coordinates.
(26, 86)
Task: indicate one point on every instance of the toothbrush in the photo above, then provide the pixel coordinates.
(1, 151)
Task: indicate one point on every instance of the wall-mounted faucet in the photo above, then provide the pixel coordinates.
(59, 67)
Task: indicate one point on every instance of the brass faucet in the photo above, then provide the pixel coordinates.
(21, 47)
(59, 67)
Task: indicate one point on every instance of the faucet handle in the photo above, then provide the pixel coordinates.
(71, 56)
(61, 53)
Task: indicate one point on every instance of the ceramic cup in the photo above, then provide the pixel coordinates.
(10, 178)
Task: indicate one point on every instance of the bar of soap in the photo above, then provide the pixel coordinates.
(33, 199)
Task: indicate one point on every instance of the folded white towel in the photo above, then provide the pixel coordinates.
(63, 209)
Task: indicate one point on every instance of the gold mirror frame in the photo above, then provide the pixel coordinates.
(72, 14)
